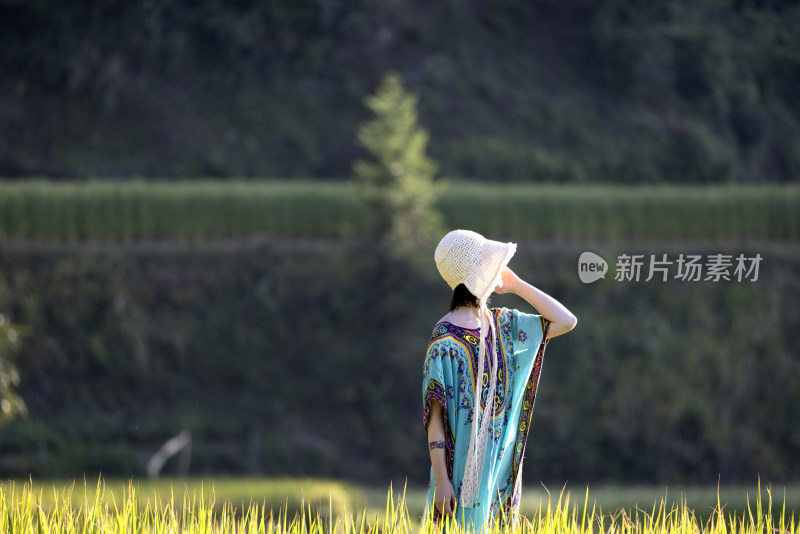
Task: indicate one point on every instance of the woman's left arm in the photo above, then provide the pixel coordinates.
(561, 319)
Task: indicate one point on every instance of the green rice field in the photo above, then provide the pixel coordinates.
(311, 505)
(205, 209)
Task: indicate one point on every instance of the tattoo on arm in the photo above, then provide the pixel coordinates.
(436, 445)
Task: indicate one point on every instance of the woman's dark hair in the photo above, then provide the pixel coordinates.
(463, 297)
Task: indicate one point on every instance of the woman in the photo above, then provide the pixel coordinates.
(477, 443)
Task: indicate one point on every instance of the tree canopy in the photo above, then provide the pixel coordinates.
(512, 90)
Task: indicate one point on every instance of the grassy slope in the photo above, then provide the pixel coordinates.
(215, 209)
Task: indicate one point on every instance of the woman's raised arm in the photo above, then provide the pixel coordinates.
(561, 319)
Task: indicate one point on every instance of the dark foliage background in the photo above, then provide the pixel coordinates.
(305, 357)
(511, 90)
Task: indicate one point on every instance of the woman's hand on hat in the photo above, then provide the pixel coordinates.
(509, 281)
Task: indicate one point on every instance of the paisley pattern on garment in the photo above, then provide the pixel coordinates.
(449, 376)
(436, 391)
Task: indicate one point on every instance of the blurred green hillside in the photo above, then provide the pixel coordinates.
(511, 90)
(138, 210)
(303, 357)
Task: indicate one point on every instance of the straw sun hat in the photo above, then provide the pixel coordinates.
(466, 257)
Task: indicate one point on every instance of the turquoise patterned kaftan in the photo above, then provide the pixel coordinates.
(449, 377)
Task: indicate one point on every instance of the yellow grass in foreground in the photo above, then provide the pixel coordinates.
(25, 510)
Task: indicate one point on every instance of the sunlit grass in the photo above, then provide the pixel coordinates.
(206, 507)
(237, 492)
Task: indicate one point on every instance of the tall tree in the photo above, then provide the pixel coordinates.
(397, 178)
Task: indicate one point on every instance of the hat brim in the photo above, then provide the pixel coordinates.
(496, 256)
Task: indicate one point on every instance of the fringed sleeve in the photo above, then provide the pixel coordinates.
(433, 383)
